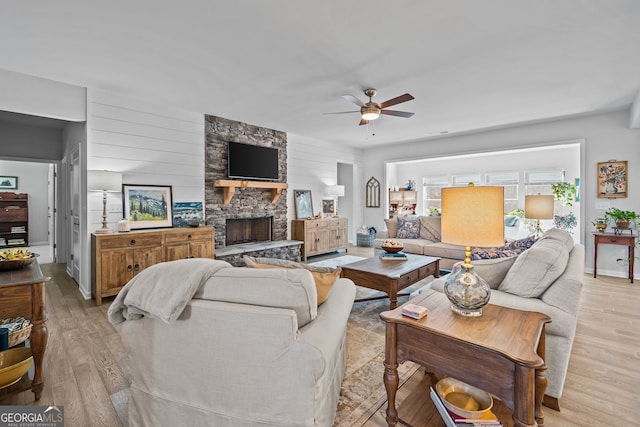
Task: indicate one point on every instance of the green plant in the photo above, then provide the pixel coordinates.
(411, 184)
(564, 192)
(622, 215)
(517, 212)
(433, 211)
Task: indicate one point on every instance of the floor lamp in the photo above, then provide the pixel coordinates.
(471, 216)
(105, 181)
(538, 207)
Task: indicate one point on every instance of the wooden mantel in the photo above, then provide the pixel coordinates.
(231, 185)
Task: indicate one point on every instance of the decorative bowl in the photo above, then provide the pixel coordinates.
(14, 363)
(15, 264)
(392, 249)
(463, 399)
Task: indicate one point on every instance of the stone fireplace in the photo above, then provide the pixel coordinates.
(247, 203)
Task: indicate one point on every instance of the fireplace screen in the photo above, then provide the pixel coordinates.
(248, 230)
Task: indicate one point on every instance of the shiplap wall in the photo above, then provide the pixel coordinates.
(313, 165)
(149, 144)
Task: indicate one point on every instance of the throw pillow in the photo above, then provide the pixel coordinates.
(510, 249)
(324, 277)
(430, 228)
(392, 227)
(536, 268)
(408, 228)
(510, 220)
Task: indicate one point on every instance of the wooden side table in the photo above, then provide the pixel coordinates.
(501, 352)
(628, 240)
(22, 293)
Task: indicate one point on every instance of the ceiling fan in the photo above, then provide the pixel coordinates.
(371, 111)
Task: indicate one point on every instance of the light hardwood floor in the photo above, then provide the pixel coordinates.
(83, 373)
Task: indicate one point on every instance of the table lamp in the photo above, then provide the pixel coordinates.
(105, 181)
(471, 216)
(538, 207)
(336, 191)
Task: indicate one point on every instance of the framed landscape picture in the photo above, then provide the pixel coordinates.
(8, 182)
(302, 200)
(147, 206)
(612, 179)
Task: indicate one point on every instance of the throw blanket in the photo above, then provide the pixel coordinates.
(163, 290)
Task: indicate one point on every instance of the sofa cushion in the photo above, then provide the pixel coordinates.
(538, 267)
(444, 250)
(510, 249)
(392, 227)
(430, 228)
(292, 289)
(324, 277)
(408, 228)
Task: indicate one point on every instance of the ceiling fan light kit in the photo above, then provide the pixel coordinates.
(371, 110)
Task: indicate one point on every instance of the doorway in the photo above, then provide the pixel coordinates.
(346, 204)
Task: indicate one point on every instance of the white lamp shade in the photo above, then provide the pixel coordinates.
(473, 216)
(336, 190)
(104, 181)
(538, 207)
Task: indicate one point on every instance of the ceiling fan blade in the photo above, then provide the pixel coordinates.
(397, 100)
(363, 122)
(342, 112)
(396, 113)
(353, 99)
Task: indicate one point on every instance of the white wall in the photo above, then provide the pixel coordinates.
(148, 144)
(26, 94)
(32, 179)
(22, 142)
(607, 136)
(312, 165)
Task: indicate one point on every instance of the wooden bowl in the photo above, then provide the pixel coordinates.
(14, 363)
(15, 264)
(392, 249)
(463, 399)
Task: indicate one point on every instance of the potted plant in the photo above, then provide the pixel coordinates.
(564, 192)
(411, 184)
(621, 217)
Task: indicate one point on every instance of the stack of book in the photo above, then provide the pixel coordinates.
(18, 229)
(398, 256)
(15, 242)
(488, 419)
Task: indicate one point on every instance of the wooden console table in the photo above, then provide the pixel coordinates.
(22, 293)
(628, 240)
(501, 352)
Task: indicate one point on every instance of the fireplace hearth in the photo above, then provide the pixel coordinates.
(248, 230)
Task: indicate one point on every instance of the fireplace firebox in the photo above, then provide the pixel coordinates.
(248, 230)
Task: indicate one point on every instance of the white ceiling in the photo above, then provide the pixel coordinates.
(282, 64)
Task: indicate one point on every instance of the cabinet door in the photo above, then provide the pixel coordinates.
(410, 197)
(116, 270)
(146, 257)
(395, 197)
(176, 251)
(201, 249)
(316, 242)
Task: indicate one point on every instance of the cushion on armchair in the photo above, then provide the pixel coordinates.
(324, 277)
(430, 228)
(392, 227)
(538, 267)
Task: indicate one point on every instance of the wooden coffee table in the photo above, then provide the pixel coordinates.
(391, 276)
(501, 352)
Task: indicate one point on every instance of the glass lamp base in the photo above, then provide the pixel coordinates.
(467, 291)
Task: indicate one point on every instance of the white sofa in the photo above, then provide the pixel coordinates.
(428, 242)
(521, 283)
(251, 347)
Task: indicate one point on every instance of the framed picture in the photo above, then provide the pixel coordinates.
(8, 182)
(188, 214)
(147, 206)
(329, 207)
(612, 179)
(304, 206)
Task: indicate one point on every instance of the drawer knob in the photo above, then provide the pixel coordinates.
(133, 241)
(136, 266)
(129, 267)
(189, 236)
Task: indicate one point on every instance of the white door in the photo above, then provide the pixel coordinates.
(74, 184)
(51, 211)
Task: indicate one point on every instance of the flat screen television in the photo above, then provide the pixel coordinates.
(252, 162)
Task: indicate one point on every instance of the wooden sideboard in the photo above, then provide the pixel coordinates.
(320, 236)
(22, 293)
(117, 257)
